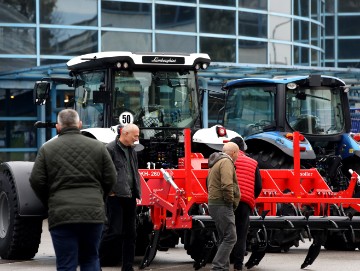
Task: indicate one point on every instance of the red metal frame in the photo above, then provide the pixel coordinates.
(305, 187)
(170, 203)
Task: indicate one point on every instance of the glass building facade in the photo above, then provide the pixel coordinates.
(286, 33)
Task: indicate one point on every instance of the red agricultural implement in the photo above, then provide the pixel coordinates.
(177, 200)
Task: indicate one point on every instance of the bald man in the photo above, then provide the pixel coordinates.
(121, 203)
(223, 199)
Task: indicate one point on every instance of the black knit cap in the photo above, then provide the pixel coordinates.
(240, 142)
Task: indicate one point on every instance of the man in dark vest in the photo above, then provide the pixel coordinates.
(250, 184)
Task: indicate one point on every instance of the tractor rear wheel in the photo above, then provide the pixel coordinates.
(272, 159)
(19, 236)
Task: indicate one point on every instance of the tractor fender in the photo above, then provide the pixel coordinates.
(348, 146)
(210, 137)
(28, 203)
(278, 140)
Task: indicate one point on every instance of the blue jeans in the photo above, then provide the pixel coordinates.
(77, 244)
(225, 225)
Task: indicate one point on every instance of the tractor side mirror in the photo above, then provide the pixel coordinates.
(41, 92)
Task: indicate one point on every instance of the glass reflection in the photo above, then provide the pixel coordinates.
(301, 8)
(63, 12)
(349, 6)
(13, 12)
(15, 103)
(57, 41)
(252, 52)
(17, 134)
(315, 34)
(279, 28)
(175, 18)
(125, 15)
(252, 24)
(217, 21)
(17, 40)
(280, 53)
(175, 43)
(329, 26)
(8, 64)
(218, 2)
(301, 56)
(255, 4)
(285, 6)
(124, 41)
(220, 50)
(349, 49)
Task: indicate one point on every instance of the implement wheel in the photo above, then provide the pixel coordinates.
(19, 236)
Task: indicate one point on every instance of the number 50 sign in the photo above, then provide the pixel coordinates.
(126, 118)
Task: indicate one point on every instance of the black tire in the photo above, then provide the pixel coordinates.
(19, 236)
(272, 159)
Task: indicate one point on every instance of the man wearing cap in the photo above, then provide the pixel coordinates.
(250, 183)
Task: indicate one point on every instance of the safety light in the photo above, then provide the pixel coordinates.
(356, 137)
(197, 66)
(221, 131)
(124, 65)
(204, 66)
(291, 86)
(290, 136)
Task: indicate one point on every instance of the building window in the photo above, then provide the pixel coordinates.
(125, 41)
(217, 21)
(175, 18)
(254, 4)
(67, 42)
(252, 24)
(219, 49)
(67, 12)
(175, 43)
(125, 15)
(252, 52)
(14, 12)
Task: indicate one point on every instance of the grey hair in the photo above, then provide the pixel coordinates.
(68, 118)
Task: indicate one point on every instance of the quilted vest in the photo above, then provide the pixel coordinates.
(245, 171)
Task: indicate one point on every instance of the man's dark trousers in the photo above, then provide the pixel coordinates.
(121, 213)
(82, 237)
(242, 221)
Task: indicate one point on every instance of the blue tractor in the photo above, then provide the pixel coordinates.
(267, 111)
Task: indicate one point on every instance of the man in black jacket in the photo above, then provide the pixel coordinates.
(71, 176)
(121, 203)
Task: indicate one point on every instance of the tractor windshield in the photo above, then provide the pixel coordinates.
(156, 99)
(315, 110)
(249, 110)
(153, 99)
(91, 114)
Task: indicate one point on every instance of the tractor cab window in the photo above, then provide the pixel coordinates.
(315, 110)
(249, 110)
(156, 99)
(91, 114)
